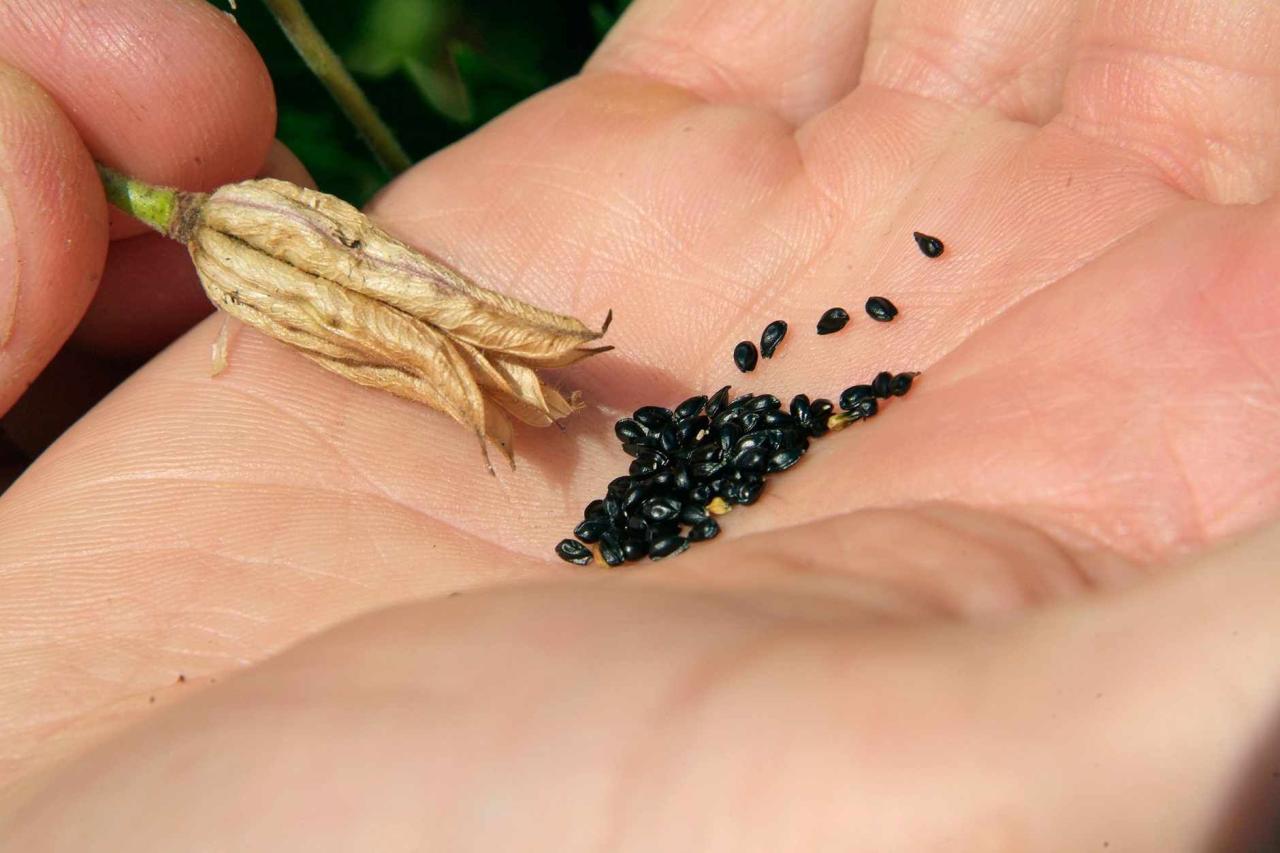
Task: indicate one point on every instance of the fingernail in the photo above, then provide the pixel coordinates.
(9, 267)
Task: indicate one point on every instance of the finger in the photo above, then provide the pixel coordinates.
(170, 91)
(795, 59)
(150, 294)
(1192, 87)
(1010, 57)
(52, 231)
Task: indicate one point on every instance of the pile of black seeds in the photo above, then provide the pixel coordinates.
(694, 463)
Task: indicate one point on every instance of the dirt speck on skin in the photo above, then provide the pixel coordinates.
(152, 700)
(182, 679)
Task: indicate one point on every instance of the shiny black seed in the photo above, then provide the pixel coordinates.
(764, 403)
(663, 529)
(687, 430)
(705, 453)
(634, 450)
(572, 551)
(901, 384)
(692, 513)
(661, 509)
(772, 336)
(822, 408)
(596, 507)
(881, 309)
(690, 407)
(931, 246)
(775, 420)
(618, 486)
(741, 403)
(611, 550)
(728, 436)
(613, 510)
(630, 432)
(750, 460)
(716, 402)
(704, 530)
(669, 440)
(750, 421)
(653, 418)
(701, 494)
(591, 529)
(635, 547)
(832, 321)
(745, 355)
(801, 409)
(725, 487)
(784, 459)
(755, 441)
(850, 397)
(882, 383)
(707, 470)
(865, 408)
(667, 546)
(749, 493)
(682, 482)
(637, 493)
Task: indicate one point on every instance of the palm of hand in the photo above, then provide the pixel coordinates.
(1096, 321)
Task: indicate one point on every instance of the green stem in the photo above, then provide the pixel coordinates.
(328, 68)
(154, 205)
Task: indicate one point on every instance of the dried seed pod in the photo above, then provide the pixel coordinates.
(312, 271)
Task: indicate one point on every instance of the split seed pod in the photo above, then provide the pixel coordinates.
(315, 273)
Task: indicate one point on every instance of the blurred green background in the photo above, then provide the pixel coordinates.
(435, 69)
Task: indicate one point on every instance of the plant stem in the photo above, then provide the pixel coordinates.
(328, 68)
(151, 204)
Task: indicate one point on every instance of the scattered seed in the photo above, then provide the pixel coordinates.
(881, 309)
(832, 321)
(667, 545)
(771, 337)
(931, 246)
(854, 394)
(573, 551)
(744, 356)
(882, 384)
(706, 529)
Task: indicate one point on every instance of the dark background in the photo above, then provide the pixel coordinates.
(435, 69)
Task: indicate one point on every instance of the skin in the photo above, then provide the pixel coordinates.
(1029, 607)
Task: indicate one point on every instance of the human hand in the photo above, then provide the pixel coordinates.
(963, 624)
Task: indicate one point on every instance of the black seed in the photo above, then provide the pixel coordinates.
(704, 530)
(784, 459)
(745, 355)
(690, 407)
(832, 321)
(749, 460)
(682, 482)
(755, 441)
(667, 546)
(764, 403)
(663, 529)
(572, 551)
(635, 547)
(774, 420)
(637, 525)
(701, 494)
(661, 509)
(821, 410)
(851, 396)
(653, 418)
(637, 493)
(618, 486)
(707, 470)
(717, 400)
(881, 309)
(687, 430)
(740, 403)
(692, 513)
(613, 509)
(669, 440)
(750, 421)
(596, 507)
(630, 432)
(749, 493)
(801, 409)
(772, 336)
(901, 384)
(705, 453)
(634, 450)
(931, 246)
(592, 529)
(882, 383)
(725, 487)
(611, 550)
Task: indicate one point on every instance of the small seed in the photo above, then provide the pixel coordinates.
(749, 460)
(701, 493)
(744, 356)
(854, 394)
(690, 407)
(717, 401)
(749, 493)
(931, 246)
(832, 321)
(611, 550)
(635, 548)
(667, 545)
(882, 383)
(718, 506)
(596, 507)
(772, 336)
(653, 418)
(692, 513)
(573, 551)
(901, 384)
(630, 432)
(704, 530)
(881, 309)
(784, 459)
(661, 509)
(591, 529)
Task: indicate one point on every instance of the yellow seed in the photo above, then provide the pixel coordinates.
(719, 506)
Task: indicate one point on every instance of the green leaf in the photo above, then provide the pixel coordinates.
(395, 31)
(442, 87)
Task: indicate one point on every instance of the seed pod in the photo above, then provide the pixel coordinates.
(931, 246)
(832, 321)
(772, 336)
(313, 272)
(881, 309)
(744, 356)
